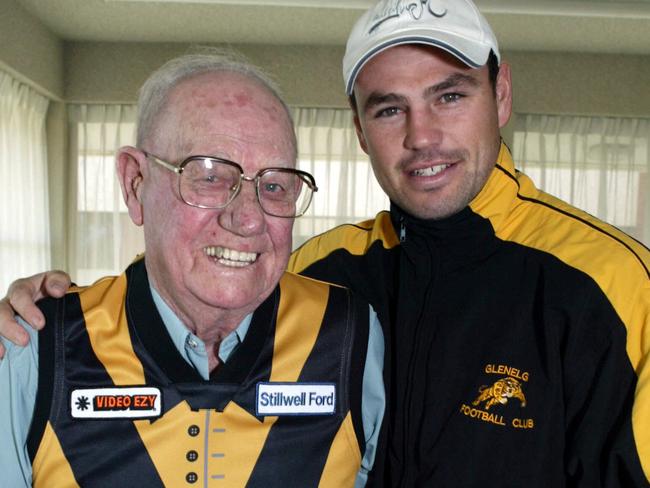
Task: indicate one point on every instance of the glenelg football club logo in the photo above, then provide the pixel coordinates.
(508, 388)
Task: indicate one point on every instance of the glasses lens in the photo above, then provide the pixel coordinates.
(284, 193)
(209, 183)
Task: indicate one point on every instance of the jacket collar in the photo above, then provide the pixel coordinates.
(497, 199)
(494, 202)
(470, 232)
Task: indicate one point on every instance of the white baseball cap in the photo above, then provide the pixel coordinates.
(456, 26)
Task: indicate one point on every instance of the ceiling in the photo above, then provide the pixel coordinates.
(609, 26)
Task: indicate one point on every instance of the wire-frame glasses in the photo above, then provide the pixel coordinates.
(211, 182)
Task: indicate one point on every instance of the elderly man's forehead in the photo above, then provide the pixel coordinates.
(240, 149)
(228, 110)
(228, 90)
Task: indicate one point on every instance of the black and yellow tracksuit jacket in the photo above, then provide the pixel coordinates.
(517, 338)
(117, 406)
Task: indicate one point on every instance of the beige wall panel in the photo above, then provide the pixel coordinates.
(113, 72)
(308, 75)
(589, 84)
(311, 76)
(30, 50)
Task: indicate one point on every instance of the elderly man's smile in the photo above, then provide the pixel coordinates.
(230, 257)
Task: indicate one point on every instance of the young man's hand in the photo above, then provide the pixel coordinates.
(20, 300)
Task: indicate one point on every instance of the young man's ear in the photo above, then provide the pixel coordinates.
(130, 165)
(362, 139)
(504, 94)
(357, 124)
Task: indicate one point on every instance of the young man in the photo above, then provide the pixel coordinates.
(517, 326)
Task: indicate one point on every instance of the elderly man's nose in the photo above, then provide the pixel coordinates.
(244, 216)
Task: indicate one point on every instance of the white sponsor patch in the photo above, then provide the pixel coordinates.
(296, 399)
(114, 403)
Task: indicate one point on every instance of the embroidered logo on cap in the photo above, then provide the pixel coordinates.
(396, 8)
(295, 399)
(113, 403)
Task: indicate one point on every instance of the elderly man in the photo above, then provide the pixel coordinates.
(518, 327)
(204, 363)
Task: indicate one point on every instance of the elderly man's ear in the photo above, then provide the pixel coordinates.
(130, 166)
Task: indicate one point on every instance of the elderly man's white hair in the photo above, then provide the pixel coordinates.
(156, 89)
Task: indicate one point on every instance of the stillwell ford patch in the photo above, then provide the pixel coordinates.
(295, 399)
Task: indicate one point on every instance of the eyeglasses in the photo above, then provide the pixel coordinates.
(210, 182)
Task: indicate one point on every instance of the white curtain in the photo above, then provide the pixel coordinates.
(102, 240)
(24, 219)
(347, 189)
(599, 164)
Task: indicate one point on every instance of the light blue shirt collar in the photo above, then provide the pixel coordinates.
(190, 347)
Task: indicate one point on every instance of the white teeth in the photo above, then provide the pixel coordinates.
(230, 257)
(432, 171)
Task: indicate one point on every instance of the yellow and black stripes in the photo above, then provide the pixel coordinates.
(521, 281)
(356, 239)
(83, 443)
(619, 264)
(110, 335)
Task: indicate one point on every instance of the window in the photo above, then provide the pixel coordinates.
(104, 240)
(599, 164)
(24, 218)
(347, 188)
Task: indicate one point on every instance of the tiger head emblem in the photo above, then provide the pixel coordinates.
(500, 392)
